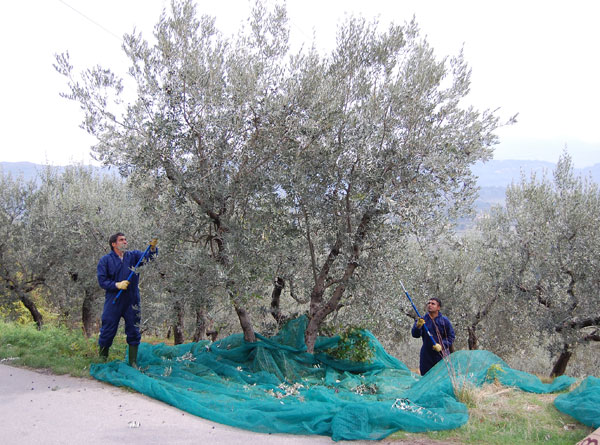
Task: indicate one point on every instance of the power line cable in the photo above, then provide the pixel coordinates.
(91, 20)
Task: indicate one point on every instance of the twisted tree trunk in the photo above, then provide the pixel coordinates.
(473, 342)
(87, 311)
(200, 330)
(319, 310)
(560, 365)
(33, 310)
(178, 325)
(278, 286)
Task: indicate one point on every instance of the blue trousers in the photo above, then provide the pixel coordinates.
(428, 359)
(111, 316)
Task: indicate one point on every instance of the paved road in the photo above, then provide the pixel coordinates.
(40, 408)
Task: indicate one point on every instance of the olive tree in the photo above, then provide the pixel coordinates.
(376, 140)
(24, 248)
(300, 166)
(82, 208)
(547, 246)
(201, 120)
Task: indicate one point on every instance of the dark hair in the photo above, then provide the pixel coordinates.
(113, 239)
(439, 302)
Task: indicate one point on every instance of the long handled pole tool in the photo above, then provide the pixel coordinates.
(134, 269)
(417, 311)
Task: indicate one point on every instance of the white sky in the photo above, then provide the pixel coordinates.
(540, 59)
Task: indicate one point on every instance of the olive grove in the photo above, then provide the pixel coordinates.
(53, 232)
(282, 183)
(524, 283)
(293, 168)
(545, 248)
(521, 284)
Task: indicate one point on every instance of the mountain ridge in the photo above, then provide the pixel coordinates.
(494, 174)
(502, 173)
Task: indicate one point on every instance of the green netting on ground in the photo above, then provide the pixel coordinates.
(274, 385)
(583, 403)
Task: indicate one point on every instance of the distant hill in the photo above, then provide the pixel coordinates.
(502, 173)
(29, 170)
(493, 176)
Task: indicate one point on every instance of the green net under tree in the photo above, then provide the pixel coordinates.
(583, 403)
(275, 386)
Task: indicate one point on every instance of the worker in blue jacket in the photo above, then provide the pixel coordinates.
(113, 271)
(442, 331)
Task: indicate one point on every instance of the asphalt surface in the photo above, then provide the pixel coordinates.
(42, 408)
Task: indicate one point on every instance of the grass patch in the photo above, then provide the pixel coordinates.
(501, 415)
(59, 349)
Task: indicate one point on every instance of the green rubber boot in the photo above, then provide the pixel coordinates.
(103, 352)
(133, 350)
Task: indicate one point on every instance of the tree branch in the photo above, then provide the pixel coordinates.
(578, 323)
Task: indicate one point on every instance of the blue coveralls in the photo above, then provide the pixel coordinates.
(111, 270)
(442, 331)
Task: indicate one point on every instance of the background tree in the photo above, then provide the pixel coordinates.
(57, 227)
(24, 259)
(83, 207)
(547, 243)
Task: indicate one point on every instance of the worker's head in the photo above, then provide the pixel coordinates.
(118, 241)
(434, 303)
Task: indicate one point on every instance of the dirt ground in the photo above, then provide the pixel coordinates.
(42, 408)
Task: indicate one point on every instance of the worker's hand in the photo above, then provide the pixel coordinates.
(122, 285)
(153, 244)
(437, 347)
(420, 323)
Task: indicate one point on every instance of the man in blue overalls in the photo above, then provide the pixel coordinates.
(113, 271)
(442, 331)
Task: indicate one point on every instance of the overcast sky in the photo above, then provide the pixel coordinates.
(540, 59)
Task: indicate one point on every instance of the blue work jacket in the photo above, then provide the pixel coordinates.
(442, 331)
(112, 270)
